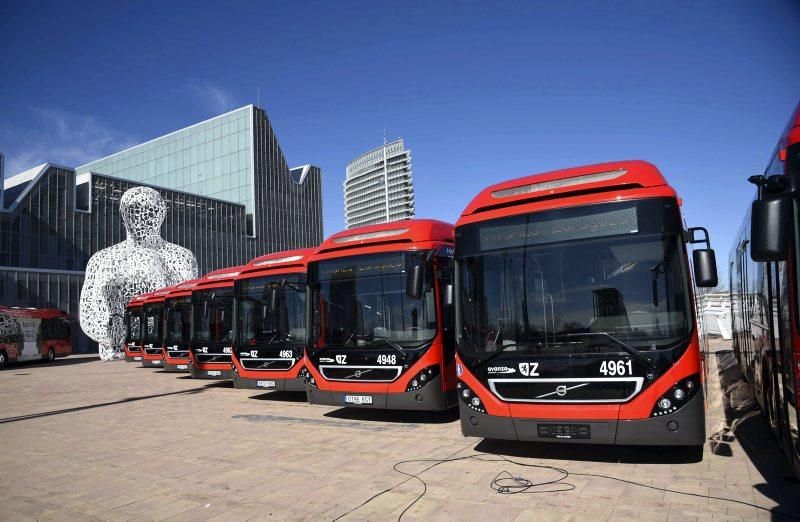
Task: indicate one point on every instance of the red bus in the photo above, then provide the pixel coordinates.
(381, 322)
(133, 328)
(34, 334)
(269, 345)
(764, 289)
(574, 310)
(212, 325)
(153, 328)
(177, 329)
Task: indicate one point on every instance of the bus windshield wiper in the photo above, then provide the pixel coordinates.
(399, 349)
(625, 347)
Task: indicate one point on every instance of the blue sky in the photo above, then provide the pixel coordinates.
(480, 92)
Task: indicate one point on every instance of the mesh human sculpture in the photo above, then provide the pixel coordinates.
(142, 263)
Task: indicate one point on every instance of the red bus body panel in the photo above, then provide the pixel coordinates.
(279, 263)
(537, 193)
(416, 234)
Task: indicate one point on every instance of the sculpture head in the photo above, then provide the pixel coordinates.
(143, 210)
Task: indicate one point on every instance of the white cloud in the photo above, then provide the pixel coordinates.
(214, 98)
(61, 137)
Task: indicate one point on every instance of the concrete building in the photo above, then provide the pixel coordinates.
(229, 193)
(378, 186)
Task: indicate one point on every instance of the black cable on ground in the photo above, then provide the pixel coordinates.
(506, 483)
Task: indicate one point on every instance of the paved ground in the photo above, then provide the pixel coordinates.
(83, 439)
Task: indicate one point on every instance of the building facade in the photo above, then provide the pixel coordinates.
(378, 186)
(54, 218)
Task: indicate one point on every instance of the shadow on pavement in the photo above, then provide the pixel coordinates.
(746, 423)
(64, 361)
(281, 396)
(401, 416)
(99, 405)
(591, 452)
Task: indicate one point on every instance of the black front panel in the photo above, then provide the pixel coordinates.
(178, 350)
(364, 365)
(268, 358)
(588, 378)
(364, 374)
(151, 349)
(213, 353)
(617, 390)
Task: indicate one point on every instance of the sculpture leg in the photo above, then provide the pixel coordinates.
(106, 353)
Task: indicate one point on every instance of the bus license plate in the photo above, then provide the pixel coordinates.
(137, 358)
(182, 367)
(214, 373)
(358, 399)
(157, 362)
(265, 384)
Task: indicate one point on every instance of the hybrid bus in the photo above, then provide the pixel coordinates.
(212, 325)
(380, 319)
(34, 334)
(133, 328)
(153, 328)
(574, 310)
(764, 289)
(270, 304)
(177, 329)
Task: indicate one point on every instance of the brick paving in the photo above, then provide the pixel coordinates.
(83, 439)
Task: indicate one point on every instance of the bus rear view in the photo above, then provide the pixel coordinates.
(269, 346)
(381, 333)
(212, 326)
(575, 313)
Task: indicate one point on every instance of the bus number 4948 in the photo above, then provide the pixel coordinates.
(387, 359)
(616, 368)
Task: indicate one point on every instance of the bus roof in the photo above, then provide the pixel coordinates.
(291, 260)
(183, 289)
(601, 177)
(40, 313)
(401, 234)
(219, 278)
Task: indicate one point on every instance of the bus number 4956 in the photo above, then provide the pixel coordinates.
(613, 368)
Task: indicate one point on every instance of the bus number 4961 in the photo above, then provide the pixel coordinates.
(616, 368)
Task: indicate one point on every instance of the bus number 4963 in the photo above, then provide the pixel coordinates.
(616, 368)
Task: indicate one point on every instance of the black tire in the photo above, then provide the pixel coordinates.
(3, 359)
(51, 355)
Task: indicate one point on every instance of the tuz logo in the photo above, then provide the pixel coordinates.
(529, 369)
(500, 369)
(341, 359)
(253, 353)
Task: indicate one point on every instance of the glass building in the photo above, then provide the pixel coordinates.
(248, 203)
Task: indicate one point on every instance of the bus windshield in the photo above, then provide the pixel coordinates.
(272, 310)
(213, 314)
(178, 312)
(152, 324)
(366, 301)
(133, 327)
(580, 279)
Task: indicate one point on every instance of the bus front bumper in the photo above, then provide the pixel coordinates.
(152, 363)
(177, 367)
(428, 398)
(685, 427)
(220, 375)
(133, 357)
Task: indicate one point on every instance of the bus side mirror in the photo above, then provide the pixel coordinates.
(704, 259)
(448, 294)
(414, 282)
(769, 228)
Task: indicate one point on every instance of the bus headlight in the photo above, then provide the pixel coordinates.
(470, 398)
(679, 394)
(423, 377)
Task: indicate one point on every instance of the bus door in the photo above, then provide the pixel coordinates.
(30, 336)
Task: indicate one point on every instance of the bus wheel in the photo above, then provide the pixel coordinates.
(51, 355)
(3, 359)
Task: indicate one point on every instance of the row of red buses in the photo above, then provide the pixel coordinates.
(33, 334)
(560, 308)
(764, 288)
